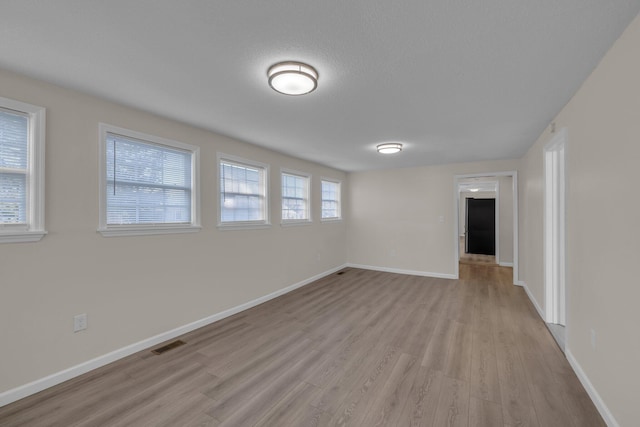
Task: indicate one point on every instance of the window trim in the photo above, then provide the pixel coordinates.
(34, 230)
(333, 181)
(243, 225)
(111, 230)
(306, 221)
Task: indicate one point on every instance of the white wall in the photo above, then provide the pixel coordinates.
(603, 123)
(505, 212)
(133, 288)
(395, 215)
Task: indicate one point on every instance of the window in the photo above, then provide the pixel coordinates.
(295, 197)
(242, 192)
(148, 184)
(21, 171)
(330, 200)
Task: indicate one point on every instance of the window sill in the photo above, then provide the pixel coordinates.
(329, 220)
(21, 236)
(119, 231)
(243, 226)
(296, 223)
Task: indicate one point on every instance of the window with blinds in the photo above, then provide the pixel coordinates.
(14, 166)
(330, 200)
(148, 181)
(295, 197)
(243, 197)
(21, 171)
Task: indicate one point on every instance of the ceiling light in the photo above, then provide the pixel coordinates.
(389, 148)
(474, 190)
(292, 78)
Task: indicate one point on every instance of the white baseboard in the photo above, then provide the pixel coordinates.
(401, 271)
(582, 376)
(505, 264)
(531, 298)
(593, 394)
(36, 386)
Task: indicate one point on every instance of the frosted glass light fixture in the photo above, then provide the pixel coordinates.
(389, 148)
(292, 78)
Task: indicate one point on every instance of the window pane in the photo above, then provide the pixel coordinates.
(13, 203)
(330, 199)
(14, 152)
(241, 193)
(295, 197)
(147, 183)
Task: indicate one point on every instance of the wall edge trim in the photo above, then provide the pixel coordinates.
(402, 271)
(531, 298)
(41, 384)
(591, 390)
(582, 376)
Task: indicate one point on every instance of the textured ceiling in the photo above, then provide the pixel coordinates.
(454, 81)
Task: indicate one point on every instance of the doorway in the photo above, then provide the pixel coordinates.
(554, 235)
(480, 234)
(505, 192)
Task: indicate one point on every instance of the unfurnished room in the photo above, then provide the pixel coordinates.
(335, 213)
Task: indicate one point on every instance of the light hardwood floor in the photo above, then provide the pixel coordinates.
(362, 348)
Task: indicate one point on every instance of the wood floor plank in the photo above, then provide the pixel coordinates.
(355, 403)
(171, 410)
(352, 353)
(242, 412)
(453, 405)
(517, 404)
(245, 380)
(437, 351)
(422, 402)
(294, 409)
(578, 405)
(458, 363)
(245, 363)
(118, 409)
(483, 413)
(549, 406)
(386, 406)
(362, 348)
(414, 334)
(90, 394)
(345, 391)
(484, 381)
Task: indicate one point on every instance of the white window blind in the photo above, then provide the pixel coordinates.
(295, 197)
(242, 192)
(147, 183)
(14, 166)
(330, 200)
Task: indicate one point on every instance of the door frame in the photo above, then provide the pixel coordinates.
(456, 212)
(554, 227)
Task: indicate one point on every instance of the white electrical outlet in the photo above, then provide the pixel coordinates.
(79, 322)
(593, 339)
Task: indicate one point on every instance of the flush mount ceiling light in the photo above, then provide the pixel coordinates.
(292, 78)
(389, 148)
